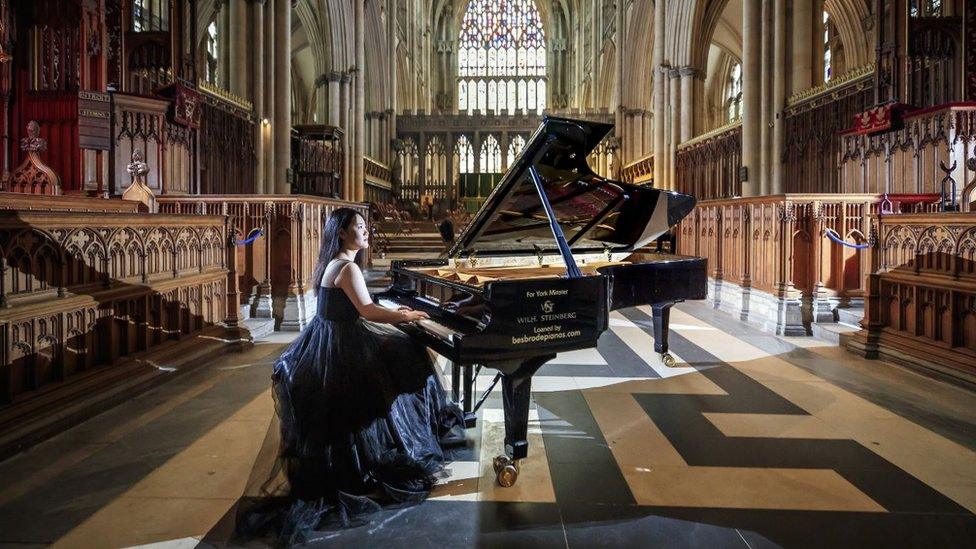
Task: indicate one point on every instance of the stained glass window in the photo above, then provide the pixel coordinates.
(465, 155)
(733, 98)
(929, 8)
(515, 146)
(828, 55)
(491, 155)
(150, 15)
(211, 68)
(501, 58)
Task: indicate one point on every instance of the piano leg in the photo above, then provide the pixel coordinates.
(516, 392)
(662, 318)
(462, 397)
(467, 396)
(456, 382)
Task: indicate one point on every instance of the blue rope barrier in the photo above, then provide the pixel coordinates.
(251, 237)
(831, 234)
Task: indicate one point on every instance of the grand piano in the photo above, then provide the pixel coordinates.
(538, 270)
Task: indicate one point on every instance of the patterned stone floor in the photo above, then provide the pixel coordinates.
(752, 441)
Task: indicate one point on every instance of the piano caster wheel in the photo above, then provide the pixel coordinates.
(506, 471)
(668, 360)
(500, 462)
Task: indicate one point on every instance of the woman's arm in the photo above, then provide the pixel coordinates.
(351, 280)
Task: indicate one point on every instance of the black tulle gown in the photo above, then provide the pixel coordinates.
(363, 420)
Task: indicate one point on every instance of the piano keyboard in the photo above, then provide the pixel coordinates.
(439, 330)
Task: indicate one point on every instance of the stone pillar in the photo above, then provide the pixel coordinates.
(751, 91)
(224, 45)
(321, 99)
(344, 124)
(802, 46)
(257, 91)
(779, 95)
(333, 78)
(391, 34)
(764, 98)
(238, 47)
(648, 133)
(360, 142)
(687, 103)
(674, 102)
(391, 136)
(282, 92)
(817, 46)
(621, 40)
(660, 75)
(267, 182)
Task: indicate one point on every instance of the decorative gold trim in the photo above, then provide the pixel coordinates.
(708, 135)
(227, 96)
(846, 78)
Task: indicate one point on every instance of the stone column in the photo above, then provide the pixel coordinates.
(764, 98)
(257, 91)
(779, 94)
(321, 99)
(333, 78)
(224, 45)
(660, 75)
(391, 34)
(751, 91)
(817, 47)
(282, 92)
(360, 143)
(687, 103)
(621, 40)
(802, 46)
(347, 137)
(391, 136)
(674, 111)
(374, 132)
(267, 181)
(648, 133)
(238, 47)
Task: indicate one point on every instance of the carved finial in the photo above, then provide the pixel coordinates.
(33, 176)
(137, 168)
(33, 142)
(138, 191)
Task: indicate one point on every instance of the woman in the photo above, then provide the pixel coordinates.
(363, 415)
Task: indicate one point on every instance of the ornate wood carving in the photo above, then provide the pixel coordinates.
(906, 161)
(708, 166)
(811, 127)
(317, 161)
(922, 300)
(283, 261)
(81, 290)
(639, 171)
(226, 150)
(935, 61)
(33, 176)
(778, 244)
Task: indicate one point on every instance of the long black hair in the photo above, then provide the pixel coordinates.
(341, 218)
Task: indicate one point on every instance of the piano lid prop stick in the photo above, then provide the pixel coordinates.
(484, 395)
(572, 270)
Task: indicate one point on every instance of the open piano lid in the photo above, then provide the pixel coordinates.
(596, 214)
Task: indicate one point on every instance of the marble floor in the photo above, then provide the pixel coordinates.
(751, 441)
